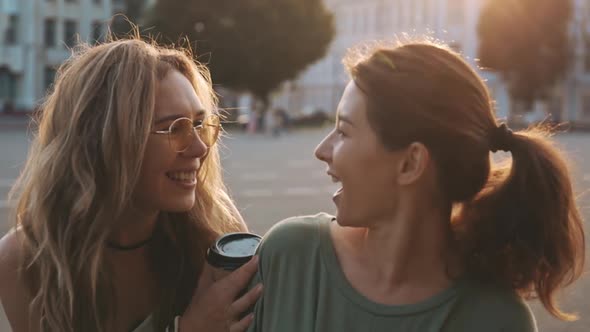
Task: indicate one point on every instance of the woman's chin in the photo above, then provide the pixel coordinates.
(180, 206)
(341, 218)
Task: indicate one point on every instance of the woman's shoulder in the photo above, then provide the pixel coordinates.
(495, 306)
(293, 234)
(290, 245)
(12, 287)
(294, 229)
(9, 257)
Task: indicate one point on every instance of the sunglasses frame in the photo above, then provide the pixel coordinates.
(195, 132)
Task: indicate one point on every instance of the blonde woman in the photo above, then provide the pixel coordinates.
(119, 199)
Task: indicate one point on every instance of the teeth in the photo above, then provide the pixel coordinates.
(183, 176)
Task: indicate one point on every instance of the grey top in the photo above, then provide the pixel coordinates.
(146, 326)
(305, 290)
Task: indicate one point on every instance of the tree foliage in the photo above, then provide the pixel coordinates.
(249, 45)
(528, 42)
(133, 11)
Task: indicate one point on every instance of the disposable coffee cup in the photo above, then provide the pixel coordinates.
(230, 251)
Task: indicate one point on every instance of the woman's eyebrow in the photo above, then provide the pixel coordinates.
(198, 113)
(344, 119)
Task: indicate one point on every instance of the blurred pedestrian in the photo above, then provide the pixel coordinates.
(119, 200)
(253, 122)
(275, 122)
(285, 122)
(429, 234)
(8, 107)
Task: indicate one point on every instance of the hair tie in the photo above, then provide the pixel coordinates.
(385, 60)
(501, 138)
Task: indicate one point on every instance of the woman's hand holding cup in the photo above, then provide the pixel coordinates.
(216, 307)
(219, 303)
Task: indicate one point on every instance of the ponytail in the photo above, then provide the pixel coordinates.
(523, 229)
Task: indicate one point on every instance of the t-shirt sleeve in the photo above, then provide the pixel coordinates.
(281, 252)
(491, 309)
(256, 325)
(520, 318)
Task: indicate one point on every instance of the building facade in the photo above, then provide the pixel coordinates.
(451, 21)
(36, 37)
(573, 97)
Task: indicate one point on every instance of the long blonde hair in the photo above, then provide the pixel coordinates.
(83, 165)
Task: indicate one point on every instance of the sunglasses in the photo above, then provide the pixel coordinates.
(183, 131)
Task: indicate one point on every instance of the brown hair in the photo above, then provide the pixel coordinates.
(80, 176)
(516, 225)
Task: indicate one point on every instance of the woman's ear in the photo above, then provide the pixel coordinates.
(413, 163)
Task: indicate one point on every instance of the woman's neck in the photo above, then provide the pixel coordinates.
(134, 228)
(408, 251)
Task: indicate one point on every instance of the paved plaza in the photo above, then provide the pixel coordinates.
(274, 178)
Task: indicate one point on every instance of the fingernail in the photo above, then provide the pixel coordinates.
(259, 288)
(255, 259)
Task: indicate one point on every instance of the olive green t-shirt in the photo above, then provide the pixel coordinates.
(305, 290)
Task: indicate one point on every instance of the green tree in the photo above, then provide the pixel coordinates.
(528, 43)
(133, 12)
(249, 45)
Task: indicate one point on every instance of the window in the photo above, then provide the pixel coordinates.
(586, 11)
(11, 36)
(420, 8)
(49, 77)
(354, 23)
(586, 106)
(411, 12)
(350, 21)
(367, 16)
(359, 22)
(7, 84)
(455, 11)
(398, 16)
(429, 12)
(71, 28)
(556, 108)
(97, 31)
(341, 21)
(50, 32)
(587, 56)
(383, 17)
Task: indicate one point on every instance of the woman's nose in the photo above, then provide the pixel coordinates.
(197, 149)
(324, 150)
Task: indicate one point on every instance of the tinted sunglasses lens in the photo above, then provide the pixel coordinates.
(181, 134)
(210, 130)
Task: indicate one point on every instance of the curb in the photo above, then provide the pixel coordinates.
(15, 126)
(16, 120)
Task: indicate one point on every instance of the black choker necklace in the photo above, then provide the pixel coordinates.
(117, 246)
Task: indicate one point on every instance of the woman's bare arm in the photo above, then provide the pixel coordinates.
(13, 294)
